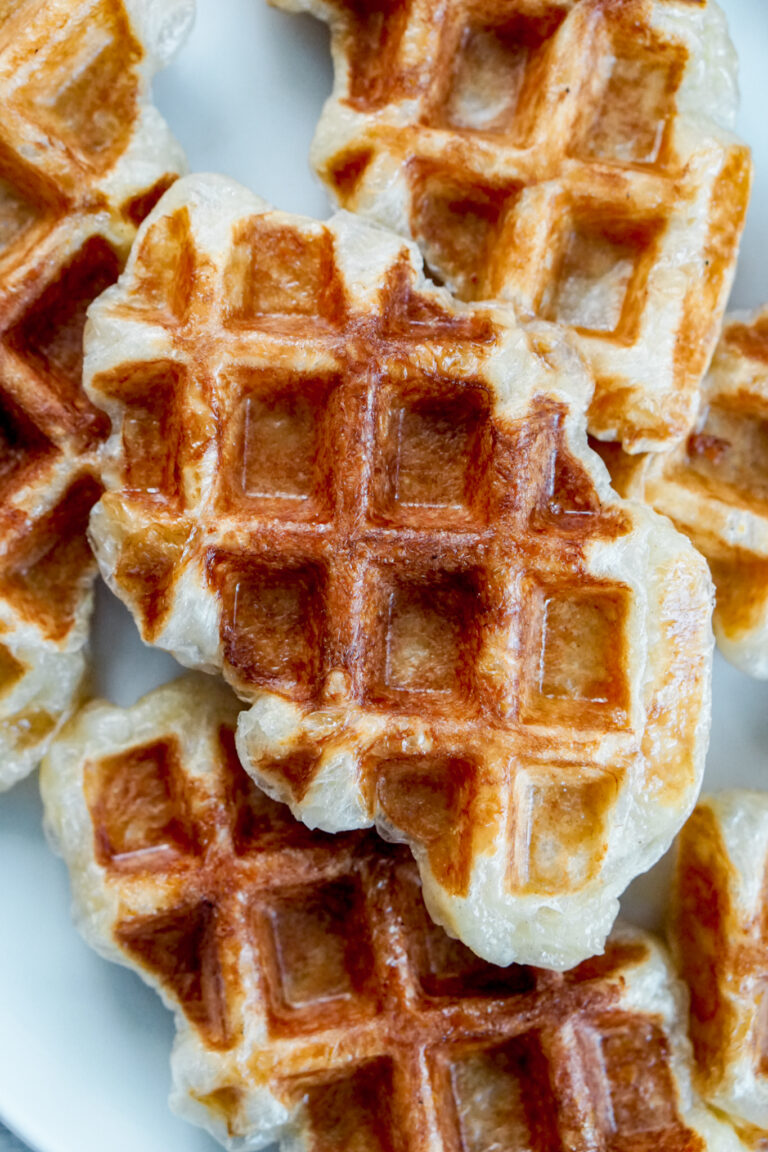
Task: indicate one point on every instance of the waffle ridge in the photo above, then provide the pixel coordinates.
(379, 518)
(316, 1003)
(83, 156)
(718, 934)
(714, 487)
(571, 155)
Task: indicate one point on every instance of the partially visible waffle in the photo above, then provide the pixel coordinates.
(375, 510)
(719, 934)
(83, 157)
(715, 487)
(316, 1003)
(574, 156)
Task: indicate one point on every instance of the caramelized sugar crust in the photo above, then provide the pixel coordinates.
(373, 509)
(317, 999)
(565, 154)
(719, 933)
(80, 166)
(715, 487)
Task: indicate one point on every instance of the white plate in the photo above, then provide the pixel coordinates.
(84, 1046)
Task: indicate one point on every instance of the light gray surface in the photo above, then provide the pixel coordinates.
(9, 1143)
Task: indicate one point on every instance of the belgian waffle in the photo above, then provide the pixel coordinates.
(571, 155)
(715, 487)
(719, 934)
(315, 1001)
(376, 511)
(83, 157)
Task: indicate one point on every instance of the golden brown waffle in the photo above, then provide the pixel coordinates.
(719, 934)
(376, 511)
(571, 155)
(83, 157)
(315, 1001)
(715, 487)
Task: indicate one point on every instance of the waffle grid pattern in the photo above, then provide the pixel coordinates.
(319, 1002)
(715, 487)
(564, 155)
(82, 159)
(374, 517)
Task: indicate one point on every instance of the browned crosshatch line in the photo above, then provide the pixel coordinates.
(491, 90)
(365, 519)
(703, 917)
(44, 412)
(432, 1019)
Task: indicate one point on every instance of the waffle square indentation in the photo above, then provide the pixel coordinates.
(320, 966)
(49, 335)
(729, 456)
(355, 1112)
(259, 824)
(272, 625)
(276, 270)
(18, 211)
(87, 89)
(181, 946)
(637, 104)
(641, 1091)
(151, 432)
(432, 801)
(560, 834)
(46, 574)
(428, 638)
(376, 36)
(600, 271)
(576, 672)
(138, 807)
(433, 451)
(273, 445)
(457, 225)
(502, 1097)
(165, 264)
(493, 65)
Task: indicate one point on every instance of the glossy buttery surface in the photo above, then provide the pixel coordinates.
(85, 1046)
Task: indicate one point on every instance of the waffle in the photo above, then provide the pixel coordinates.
(719, 934)
(375, 510)
(715, 487)
(315, 1001)
(574, 156)
(83, 157)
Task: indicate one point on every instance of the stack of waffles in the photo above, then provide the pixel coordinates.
(344, 466)
(83, 158)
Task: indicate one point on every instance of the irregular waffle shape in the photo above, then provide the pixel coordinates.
(83, 157)
(571, 155)
(375, 510)
(719, 934)
(315, 1001)
(715, 487)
